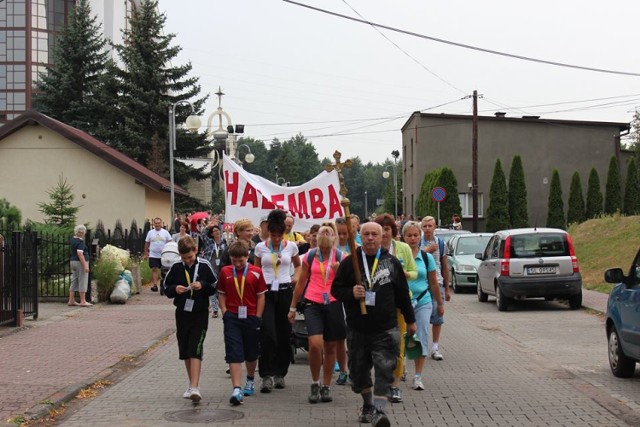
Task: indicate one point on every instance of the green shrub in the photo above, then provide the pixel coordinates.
(498, 211)
(555, 213)
(145, 272)
(105, 272)
(613, 190)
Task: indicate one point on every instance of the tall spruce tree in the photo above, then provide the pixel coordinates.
(151, 85)
(576, 212)
(632, 189)
(594, 195)
(518, 212)
(498, 211)
(613, 190)
(555, 213)
(67, 91)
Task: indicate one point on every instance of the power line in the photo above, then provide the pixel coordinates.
(465, 46)
(406, 53)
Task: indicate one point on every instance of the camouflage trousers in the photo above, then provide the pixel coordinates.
(377, 350)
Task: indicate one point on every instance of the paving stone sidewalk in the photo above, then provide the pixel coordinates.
(70, 347)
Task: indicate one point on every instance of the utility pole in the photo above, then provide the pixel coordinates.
(474, 161)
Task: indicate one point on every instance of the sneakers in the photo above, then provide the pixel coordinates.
(435, 355)
(367, 414)
(394, 395)
(249, 387)
(342, 378)
(154, 288)
(417, 383)
(325, 394)
(380, 419)
(267, 385)
(187, 392)
(278, 382)
(195, 395)
(236, 397)
(314, 395)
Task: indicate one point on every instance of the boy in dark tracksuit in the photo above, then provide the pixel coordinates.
(190, 283)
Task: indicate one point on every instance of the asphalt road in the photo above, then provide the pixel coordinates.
(539, 364)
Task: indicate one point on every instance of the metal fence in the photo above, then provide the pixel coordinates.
(18, 277)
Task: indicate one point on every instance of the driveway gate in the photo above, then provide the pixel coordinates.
(18, 277)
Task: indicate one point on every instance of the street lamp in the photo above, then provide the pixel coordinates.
(285, 183)
(385, 175)
(366, 205)
(192, 123)
(249, 158)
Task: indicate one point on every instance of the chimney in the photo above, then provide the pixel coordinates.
(500, 114)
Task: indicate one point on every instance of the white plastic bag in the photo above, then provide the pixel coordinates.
(121, 292)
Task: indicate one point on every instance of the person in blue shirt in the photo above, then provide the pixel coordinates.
(424, 290)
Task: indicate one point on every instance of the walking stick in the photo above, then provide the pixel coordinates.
(347, 214)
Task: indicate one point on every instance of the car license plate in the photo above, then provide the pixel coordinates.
(542, 270)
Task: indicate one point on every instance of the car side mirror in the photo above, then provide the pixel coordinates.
(613, 275)
(479, 256)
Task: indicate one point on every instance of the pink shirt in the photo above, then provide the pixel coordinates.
(319, 283)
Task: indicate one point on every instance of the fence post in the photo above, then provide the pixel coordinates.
(33, 241)
(87, 241)
(16, 255)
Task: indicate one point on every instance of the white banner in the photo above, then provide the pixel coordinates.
(252, 196)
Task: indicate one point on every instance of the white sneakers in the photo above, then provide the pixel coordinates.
(417, 383)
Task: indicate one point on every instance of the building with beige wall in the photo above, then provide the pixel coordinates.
(431, 141)
(36, 150)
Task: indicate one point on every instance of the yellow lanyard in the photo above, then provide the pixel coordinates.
(240, 288)
(273, 258)
(325, 277)
(186, 273)
(373, 270)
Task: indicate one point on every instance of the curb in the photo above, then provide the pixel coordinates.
(67, 394)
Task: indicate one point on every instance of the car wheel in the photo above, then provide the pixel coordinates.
(575, 301)
(621, 366)
(454, 283)
(482, 297)
(501, 300)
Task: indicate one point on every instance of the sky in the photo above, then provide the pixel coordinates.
(348, 86)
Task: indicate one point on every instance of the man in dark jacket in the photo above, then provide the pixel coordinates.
(373, 339)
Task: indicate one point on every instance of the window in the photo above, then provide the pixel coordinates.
(466, 202)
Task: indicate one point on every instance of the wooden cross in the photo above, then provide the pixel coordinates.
(338, 166)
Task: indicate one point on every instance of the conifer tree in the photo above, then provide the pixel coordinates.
(594, 195)
(60, 211)
(632, 189)
(67, 92)
(576, 211)
(612, 195)
(498, 211)
(451, 204)
(518, 212)
(151, 85)
(555, 213)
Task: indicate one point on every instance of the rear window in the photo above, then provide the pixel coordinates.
(471, 244)
(539, 245)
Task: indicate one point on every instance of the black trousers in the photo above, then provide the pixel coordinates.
(276, 334)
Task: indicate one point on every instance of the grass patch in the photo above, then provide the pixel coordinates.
(603, 243)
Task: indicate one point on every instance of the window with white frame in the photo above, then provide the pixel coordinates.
(466, 202)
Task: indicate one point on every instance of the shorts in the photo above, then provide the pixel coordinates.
(326, 320)
(241, 338)
(378, 350)
(435, 319)
(191, 330)
(79, 277)
(423, 314)
(155, 263)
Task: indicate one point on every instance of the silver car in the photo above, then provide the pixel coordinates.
(529, 263)
(461, 259)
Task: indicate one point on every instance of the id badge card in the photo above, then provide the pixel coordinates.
(242, 312)
(217, 262)
(414, 303)
(188, 305)
(325, 298)
(370, 298)
(275, 286)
